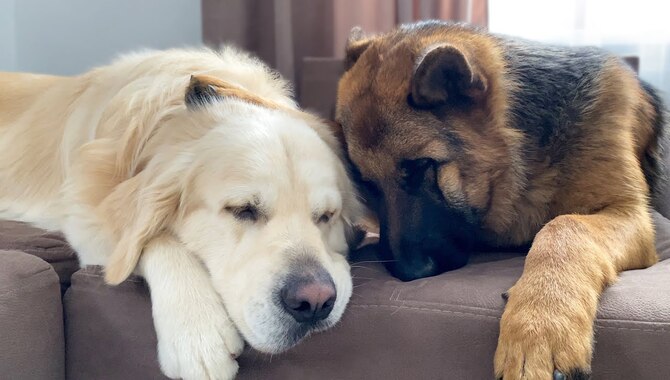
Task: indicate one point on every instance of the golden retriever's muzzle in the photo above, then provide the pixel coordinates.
(309, 298)
(308, 293)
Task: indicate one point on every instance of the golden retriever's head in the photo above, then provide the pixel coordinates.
(258, 192)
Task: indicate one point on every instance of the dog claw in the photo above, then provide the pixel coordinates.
(558, 375)
(573, 375)
(505, 296)
(579, 375)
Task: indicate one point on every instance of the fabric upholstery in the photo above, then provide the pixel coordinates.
(442, 327)
(109, 330)
(31, 319)
(447, 326)
(49, 246)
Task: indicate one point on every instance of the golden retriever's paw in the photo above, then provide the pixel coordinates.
(543, 344)
(199, 348)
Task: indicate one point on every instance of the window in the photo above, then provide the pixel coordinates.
(640, 28)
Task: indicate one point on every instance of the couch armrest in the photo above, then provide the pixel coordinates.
(31, 319)
(48, 246)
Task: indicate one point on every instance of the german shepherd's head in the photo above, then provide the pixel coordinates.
(424, 121)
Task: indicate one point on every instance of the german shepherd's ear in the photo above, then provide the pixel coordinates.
(356, 45)
(445, 75)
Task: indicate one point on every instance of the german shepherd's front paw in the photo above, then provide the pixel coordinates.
(541, 340)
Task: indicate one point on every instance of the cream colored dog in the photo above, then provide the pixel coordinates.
(196, 169)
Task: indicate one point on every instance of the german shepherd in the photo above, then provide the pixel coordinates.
(464, 139)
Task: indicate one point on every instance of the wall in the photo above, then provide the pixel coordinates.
(7, 35)
(70, 36)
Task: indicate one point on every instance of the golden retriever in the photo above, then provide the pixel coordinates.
(195, 169)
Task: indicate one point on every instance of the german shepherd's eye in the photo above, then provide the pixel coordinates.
(370, 192)
(415, 172)
(364, 185)
(247, 212)
(370, 188)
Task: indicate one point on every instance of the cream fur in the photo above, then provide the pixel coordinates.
(115, 160)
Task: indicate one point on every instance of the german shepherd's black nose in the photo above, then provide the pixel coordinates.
(309, 299)
(418, 266)
(418, 259)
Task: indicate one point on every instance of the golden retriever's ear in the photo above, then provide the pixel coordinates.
(141, 208)
(202, 90)
(356, 45)
(206, 89)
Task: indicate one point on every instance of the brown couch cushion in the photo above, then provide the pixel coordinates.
(31, 319)
(48, 246)
(447, 326)
(109, 330)
(442, 327)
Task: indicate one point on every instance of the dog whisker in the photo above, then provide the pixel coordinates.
(368, 268)
(375, 261)
(397, 309)
(363, 278)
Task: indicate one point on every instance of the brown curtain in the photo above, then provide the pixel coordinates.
(376, 16)
(303, 39)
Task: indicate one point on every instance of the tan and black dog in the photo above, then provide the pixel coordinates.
(465, 140)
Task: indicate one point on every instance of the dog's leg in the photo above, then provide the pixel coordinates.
(196, 338)
(547, 327)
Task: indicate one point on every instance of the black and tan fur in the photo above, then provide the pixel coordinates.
(465, 140)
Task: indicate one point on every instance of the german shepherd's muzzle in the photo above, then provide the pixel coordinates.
(421, 234)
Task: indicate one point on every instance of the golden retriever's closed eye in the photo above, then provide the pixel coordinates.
(196, 170)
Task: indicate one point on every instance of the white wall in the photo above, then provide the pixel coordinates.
(7, 35)
(71, 36)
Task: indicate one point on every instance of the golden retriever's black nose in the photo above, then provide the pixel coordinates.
(309, 299)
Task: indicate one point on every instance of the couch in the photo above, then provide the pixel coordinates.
(58, 321)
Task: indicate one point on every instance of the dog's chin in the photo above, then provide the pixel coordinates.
(285, 338)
